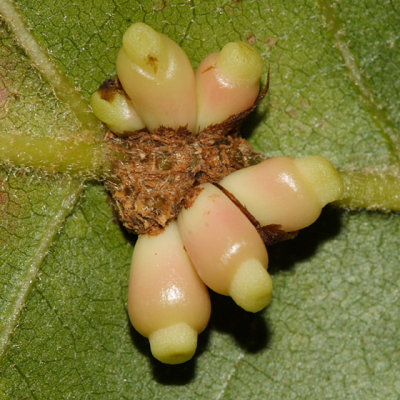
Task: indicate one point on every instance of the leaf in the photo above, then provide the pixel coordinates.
(332, 328)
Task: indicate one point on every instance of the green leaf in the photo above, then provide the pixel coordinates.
(332, 328)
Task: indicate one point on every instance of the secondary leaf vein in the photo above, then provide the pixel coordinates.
(389, 131)
(48, 69)
(27, 281)
(229, 377)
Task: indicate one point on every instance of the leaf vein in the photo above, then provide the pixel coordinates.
(230, 376)
(389, 131)
(17, 302)
(68, 94)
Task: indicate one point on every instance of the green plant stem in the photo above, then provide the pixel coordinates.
(362, 190)
(371, 191)
(49, 155)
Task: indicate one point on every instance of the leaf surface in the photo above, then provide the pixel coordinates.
(332, 329)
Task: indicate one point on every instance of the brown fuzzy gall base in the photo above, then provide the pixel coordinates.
(160, 171)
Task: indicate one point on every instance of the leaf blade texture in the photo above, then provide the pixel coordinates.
(331, 330)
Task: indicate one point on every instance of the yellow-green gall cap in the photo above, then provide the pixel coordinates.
(251, 286)
(322, 177)
(116, 111)
(175, 344)
(240, 62)
(144, 46)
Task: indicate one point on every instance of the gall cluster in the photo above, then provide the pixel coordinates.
(203, 203)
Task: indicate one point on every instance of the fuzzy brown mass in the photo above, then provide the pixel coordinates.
(159, 172)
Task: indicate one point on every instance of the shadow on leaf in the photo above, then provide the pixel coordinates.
(249, 330)
(165, 374)
(284, 255)
(252, 121)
